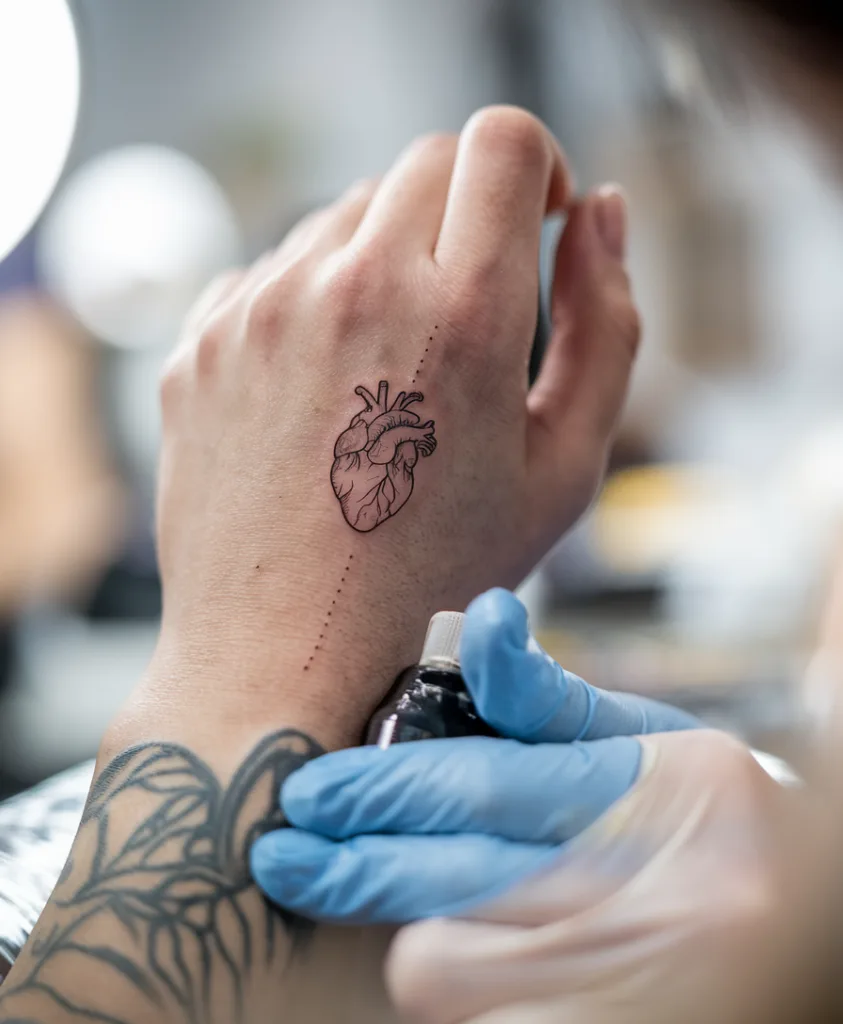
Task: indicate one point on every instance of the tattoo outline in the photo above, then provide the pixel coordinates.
(189, 926)
(374, 458)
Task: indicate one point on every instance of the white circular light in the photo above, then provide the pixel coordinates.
(39, 103)
(132, 239)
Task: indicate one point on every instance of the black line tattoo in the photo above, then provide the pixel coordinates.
(156, 901)
(420, 367)
(374, 458)
(326, 625)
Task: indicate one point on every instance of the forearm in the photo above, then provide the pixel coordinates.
(156, 917)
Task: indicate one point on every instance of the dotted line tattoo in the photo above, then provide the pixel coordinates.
(420, 367)
(374, 459)
(329, 615)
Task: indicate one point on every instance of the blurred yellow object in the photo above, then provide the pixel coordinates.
(646, 515)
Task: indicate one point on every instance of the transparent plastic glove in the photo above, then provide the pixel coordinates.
(431, 829)
(652, 915)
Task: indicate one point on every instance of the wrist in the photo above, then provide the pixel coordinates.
(206, 689)
(275, 646)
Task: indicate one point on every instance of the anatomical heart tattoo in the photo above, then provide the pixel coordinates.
(374, 458)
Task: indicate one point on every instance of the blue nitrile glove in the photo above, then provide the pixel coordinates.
(435, 828)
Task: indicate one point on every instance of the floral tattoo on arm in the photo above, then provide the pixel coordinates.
(155, 916)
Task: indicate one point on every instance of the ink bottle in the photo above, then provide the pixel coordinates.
(430, 700)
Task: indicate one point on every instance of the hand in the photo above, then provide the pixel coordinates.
(349, 438)
(432, 829)
(561, 850)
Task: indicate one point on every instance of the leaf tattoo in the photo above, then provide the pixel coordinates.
(160, 866)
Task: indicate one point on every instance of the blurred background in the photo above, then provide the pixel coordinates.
(163, 140)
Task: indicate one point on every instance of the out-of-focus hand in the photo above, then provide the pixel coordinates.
(594, 866)
(312, 517)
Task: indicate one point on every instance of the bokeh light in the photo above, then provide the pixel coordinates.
(132, 239)
(39, 103)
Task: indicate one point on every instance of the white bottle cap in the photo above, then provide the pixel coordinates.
(442, 643)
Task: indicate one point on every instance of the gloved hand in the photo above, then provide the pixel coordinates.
(431, 829)
(583, 861)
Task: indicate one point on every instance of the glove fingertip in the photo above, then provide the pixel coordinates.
(262, 858)
(515, 684)
(299, 796)
(285, 864)
(306, 793)
(264, 863)
(496, 629)
(497, 613)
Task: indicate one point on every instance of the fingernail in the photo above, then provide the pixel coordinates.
(611, 217)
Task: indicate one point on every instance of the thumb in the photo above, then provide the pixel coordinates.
(595, 334)
(524, 694)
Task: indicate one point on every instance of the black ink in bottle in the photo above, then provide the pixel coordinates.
(430, 700)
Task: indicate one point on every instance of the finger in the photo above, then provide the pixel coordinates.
(329, 227)
(443, 970)
(595, 333)
(509, 173)
(345, 215)
(546, 793)
(522, 692)
(456, 971)
(217, 298)
(407, 209)
(389, 879)
(220, 289)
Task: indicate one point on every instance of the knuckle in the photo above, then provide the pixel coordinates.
(432, 146)
(728, 756)
(630, 327)
(301, 229)
(355, 285)
(626, 321)
(363, 188)
(754, 902)
(266, 313)
(171, 385)
(223, 283)
(744, 788)
(208, 348)
(417, 969)
(512, 133)
(730, 769)
(478, 296)
(214, 294)
(483, 289)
